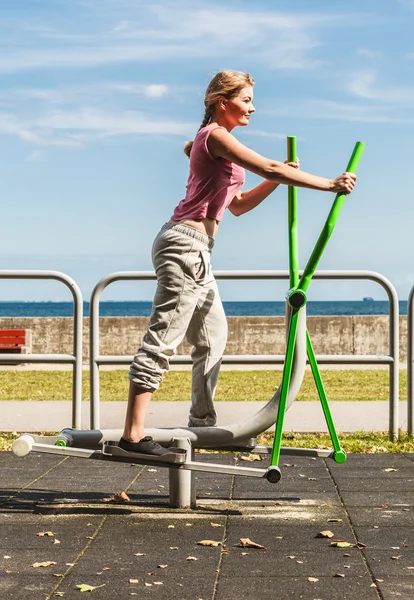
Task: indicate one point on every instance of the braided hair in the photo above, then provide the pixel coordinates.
(225, 84)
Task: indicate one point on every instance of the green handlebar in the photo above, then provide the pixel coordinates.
(293, 219)
(355, 157)
(330, 223)
(291, 148)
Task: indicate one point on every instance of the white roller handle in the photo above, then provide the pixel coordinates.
(23, 445)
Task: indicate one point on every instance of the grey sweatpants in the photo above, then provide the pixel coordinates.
(186, 304)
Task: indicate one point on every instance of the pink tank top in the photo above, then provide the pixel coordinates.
(212, 182)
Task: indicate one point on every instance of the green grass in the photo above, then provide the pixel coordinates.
(366, 384)
(353, 443)
(362, 442)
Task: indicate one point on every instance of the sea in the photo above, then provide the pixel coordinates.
(232, 308)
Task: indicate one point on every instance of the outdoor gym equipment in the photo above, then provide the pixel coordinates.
(101, 444)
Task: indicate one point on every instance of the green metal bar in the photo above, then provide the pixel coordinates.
(293, 219)
(339, 454)
(330, 223)
(287, 372)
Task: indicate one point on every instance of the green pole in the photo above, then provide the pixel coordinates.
(329, 224)
(293, 219)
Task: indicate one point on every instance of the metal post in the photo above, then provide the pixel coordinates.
(182, 483)
(410, 358)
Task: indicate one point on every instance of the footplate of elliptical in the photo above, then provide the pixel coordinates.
(112, 451)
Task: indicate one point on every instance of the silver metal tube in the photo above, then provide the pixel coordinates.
(392, 360)
(182, 482)
(76, 358)
(38, 358)
(261, 359)
(410, 358)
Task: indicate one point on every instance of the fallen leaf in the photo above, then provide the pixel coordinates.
(59, 594)
(84, 587)
(341, 544)
(251, 457)
(57, 574)
(139, 554)
(410, 568)
(148, 584)
(292, 556)
(313, 579)
(325, 534)
(245, 554)
(191, 558)
(360, 545)
(162, 566)
(279, 537)
(373, 585)
(157, 583)
(106, 568)
(208, 543)
(133, 580)
(216, 525)
(339, 575)
(334, 520)
(300, 562)
(47, 563)
(380, 580)
(247, 543)
(390, 470)
(312, 479)
(56, 541)
(152, 470)
(6, 557)
(173, 547)
(171, 526)
(119, 497)
(45, 534)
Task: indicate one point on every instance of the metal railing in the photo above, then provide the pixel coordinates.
(76, 358)
(392, 359)
(410, 366)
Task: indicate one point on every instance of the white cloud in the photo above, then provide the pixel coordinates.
(364, 85)
(368, 53)
(78, 128)
(138, 32)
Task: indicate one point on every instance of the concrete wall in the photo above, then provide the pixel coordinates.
(247, 335)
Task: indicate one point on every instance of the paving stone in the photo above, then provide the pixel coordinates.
(265, 563)
(288, 536)
(387, 536)
(378, 499)
(397, 589)
(383, 565)
(14, 586)
(293, 588)
(362, 516)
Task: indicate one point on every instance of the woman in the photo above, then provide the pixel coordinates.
(187, 302)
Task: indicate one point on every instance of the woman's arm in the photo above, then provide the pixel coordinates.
(222, 144)
(245, 201)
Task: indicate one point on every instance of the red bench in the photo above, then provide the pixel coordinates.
(12, 341)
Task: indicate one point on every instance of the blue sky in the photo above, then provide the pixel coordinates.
(97, 98)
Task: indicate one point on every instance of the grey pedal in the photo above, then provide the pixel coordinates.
(112, 450)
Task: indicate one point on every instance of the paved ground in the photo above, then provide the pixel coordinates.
(142, 548)
(301, 416)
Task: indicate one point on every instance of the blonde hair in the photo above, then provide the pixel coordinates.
(225, 84)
